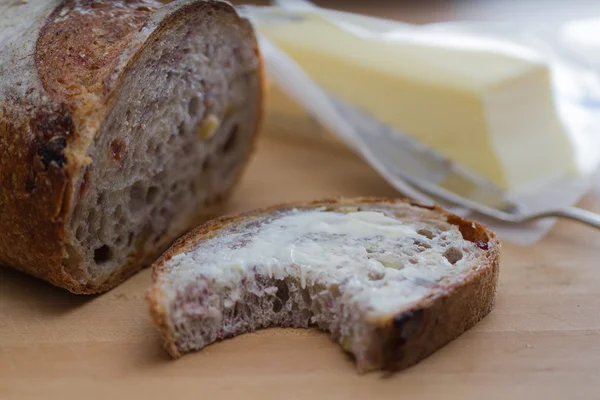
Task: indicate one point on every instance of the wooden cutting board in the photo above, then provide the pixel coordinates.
(541, 341)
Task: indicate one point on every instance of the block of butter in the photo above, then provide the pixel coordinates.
(489, 109)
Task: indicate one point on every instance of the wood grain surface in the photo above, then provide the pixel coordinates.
(541, 341)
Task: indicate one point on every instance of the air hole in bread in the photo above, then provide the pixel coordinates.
(102, 254)
(92, 216)
(425, 232)
(306, 297)
(231, 141)
(118, 214)
(246, 311)
(376, 275)
(130, 239)
(181, 128)
(283, 293)
(334, 290)
(137, 196)
(421, 245)
(79, 234)
(453, 255)
(152, 195)
(194, 107)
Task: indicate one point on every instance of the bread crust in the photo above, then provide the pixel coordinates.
(47, 123)
(404, 338)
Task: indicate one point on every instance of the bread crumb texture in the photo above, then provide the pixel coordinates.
(349, 270)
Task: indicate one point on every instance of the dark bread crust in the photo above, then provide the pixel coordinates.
(401, 339)
(50, 112)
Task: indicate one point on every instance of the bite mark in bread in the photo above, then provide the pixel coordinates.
(375, 273)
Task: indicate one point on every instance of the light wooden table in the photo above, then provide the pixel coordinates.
(541, 341)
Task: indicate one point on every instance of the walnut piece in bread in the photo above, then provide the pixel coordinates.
(101, 102)
(391, 281)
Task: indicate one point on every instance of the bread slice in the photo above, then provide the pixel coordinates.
(122, 124)
(391, 281)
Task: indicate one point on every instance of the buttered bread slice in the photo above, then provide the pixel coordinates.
(390, 280)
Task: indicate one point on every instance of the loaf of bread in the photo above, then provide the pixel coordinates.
(122, 123)
(390, 280)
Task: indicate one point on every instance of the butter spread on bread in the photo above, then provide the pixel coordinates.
(389, 280)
